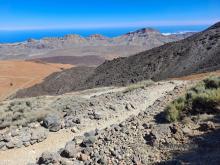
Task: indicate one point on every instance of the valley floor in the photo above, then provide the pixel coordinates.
(15, 75)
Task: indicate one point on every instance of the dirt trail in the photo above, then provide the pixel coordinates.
(58, 140)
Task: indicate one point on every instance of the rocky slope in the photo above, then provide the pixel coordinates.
(146, 139)
(198, 53)
(75, 45)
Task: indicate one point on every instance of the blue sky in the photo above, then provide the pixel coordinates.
(46, 14)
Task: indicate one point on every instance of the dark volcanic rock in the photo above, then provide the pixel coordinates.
(52, 122)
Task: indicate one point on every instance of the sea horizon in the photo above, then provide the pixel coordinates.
(13, 36)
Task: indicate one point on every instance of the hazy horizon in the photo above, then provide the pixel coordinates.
(11, 36)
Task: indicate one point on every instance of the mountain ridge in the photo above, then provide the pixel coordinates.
(195, 54)
(96, 44)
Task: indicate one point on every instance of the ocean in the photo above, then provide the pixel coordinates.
(11, 36)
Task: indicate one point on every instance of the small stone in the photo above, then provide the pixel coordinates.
(83, 157)
(187, 131)
(112, 107)
(7, 138)
(33, 142)
(97, 116)
(14, 132)
(74, 129)
(10, 145)
(128, 107)
(26, 144)
(207, 126)
(26, 137)
(150, 139)
(78, 139)
(2, 144)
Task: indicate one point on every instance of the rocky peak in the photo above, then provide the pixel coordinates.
(144, 31)
(72, 37)
(97, 37)
(215, 26)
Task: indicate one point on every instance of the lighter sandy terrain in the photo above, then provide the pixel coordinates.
(144, 98)
(15, 75)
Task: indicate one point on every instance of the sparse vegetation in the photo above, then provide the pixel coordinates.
(203, 98)
(22, 113)
(141, 84)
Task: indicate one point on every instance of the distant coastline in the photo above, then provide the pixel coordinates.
(11, 36)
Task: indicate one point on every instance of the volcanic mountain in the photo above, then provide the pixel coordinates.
(95, 45)
(195, 54)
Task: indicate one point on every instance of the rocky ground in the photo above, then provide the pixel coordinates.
(28, 125)
(145, 138)
(132, 141)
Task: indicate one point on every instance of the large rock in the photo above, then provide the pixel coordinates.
(39, 134)
(52, 122)
(70, 150)
(88, 141)
(14, 143)
(49, 158)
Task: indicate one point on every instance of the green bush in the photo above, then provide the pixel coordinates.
(202, 98)
(212, 82)
(171, 113)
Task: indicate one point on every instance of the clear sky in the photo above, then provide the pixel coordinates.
(46, 14)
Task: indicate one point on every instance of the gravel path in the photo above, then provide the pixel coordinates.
(140, 98)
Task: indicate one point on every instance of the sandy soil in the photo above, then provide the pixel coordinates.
(58, 140)
(15, 75)
(199, 76)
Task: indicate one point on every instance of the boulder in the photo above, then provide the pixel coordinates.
(70, 150)
(39, 134)
(52, 122)
(49, 158)
(71, 121)
(88, 141)
(14, 143)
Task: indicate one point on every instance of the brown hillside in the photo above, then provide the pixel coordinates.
(15, 75)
